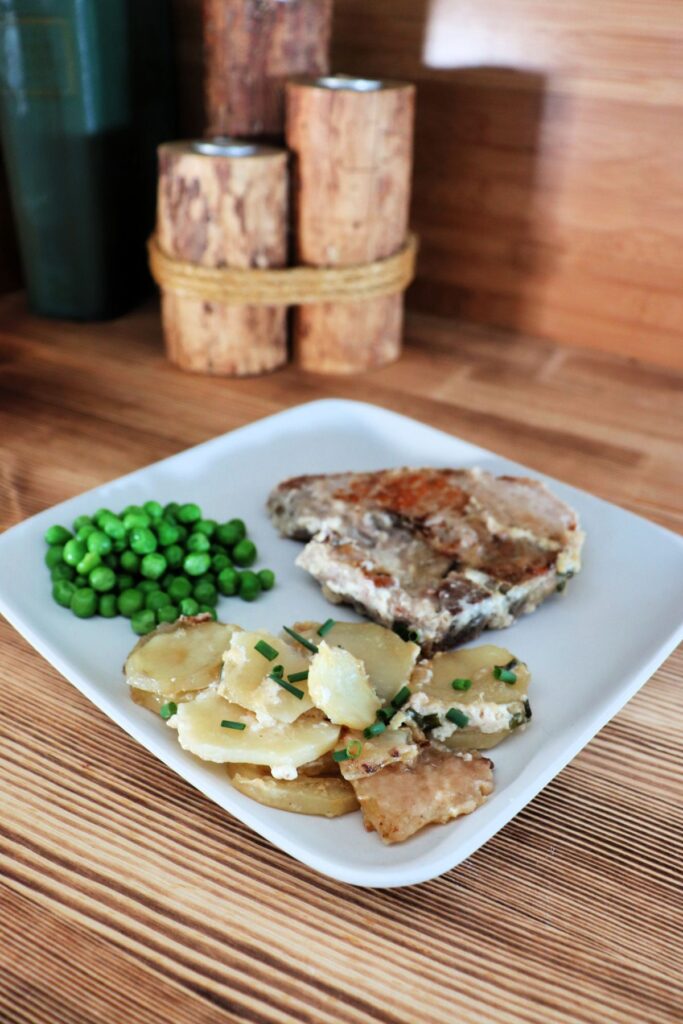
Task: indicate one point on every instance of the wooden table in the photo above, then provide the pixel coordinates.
(127, 896)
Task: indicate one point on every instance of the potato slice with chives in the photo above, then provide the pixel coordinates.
(256, 667)
(339, 685)
(321, 795)
(388, 659)
(284, 747)
(177, 659)
(393, 746)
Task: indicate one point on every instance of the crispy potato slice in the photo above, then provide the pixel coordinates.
(439, 786)
(388, 659)
(393, 746)
(492, 708)
(283, 747)
(178, 658)
(324, 796)
(338, 684)
(245, 678)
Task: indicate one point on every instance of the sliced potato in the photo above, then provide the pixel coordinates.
(491, 708)
(283, 746)
(388, 659)
(245, 678)
(328, 797)
(393, 746)
(179, 657)
(339, 686)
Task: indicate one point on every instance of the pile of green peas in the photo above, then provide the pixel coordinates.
(151, 564)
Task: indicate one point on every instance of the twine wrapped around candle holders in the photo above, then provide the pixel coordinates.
(286, 286)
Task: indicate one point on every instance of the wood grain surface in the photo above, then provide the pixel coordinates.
(548, 185)
(126, 896)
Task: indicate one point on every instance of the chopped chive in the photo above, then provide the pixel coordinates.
(301, 640)
(278, 670)
(354, 749)
(517, 720)
(294, 690)
(168, 710)
(414, 637)
(385, 714)
(374, 730)
(512, 663)
(225, 724)
(298, 677)
(461, 684)
(429, 722)
(326, 627)
(457, 717)
(527, 710)
(341, 755)
(266, 650)
(504, 674)
(401, 697)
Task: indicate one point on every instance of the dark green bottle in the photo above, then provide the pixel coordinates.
(85, 97)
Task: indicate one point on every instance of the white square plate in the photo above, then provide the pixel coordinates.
(589, 650)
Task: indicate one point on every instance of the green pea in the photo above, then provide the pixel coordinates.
(111, 560)
(131, 510)
(171, 509)
(55, 555)
(196, 563)
(62, 592)
(80, 582)
(206, 577)
(57, 535)
(153, 566)
(156, 600)
(183, 533)
(130, 562)
(81, 521)
(244, 553)
(198, 542)
(220, 562)
(99, 543)
(125, 581)
(143, 541)
(119, 545)
(266, 579)
(174, 555)
(102, 513)
(61, 571)
(179, 588)
(89, 562)
(85, 531)
(74, 551)
(153, 509)
(130, 601)
(228, 581)
(218, 549)
(84, 603)
(250, 587)
(206, 526)
(113, 527)
(106, 606)
(205, 593)
(102, 579)
(168, 533)
(231, 533)
(143, 621)
(188, 606)
(169, 613)
(206, 609)
(189, 513)
(136, 520)
(147, 586)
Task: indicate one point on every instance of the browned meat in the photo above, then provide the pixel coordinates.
(437, 787)
(442, 553)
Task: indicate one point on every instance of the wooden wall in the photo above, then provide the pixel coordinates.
(549, 162)
(10, 272)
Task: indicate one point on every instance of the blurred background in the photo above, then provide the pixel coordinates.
(548, 192)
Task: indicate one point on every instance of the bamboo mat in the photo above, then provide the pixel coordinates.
(127, 896)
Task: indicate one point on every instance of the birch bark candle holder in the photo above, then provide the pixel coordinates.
(222, 203)
(352, 142)
(250, 48)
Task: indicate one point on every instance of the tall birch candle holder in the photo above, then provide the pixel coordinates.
(352, 142)
(222, 205)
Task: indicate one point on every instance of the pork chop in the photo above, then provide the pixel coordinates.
(439, 553)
